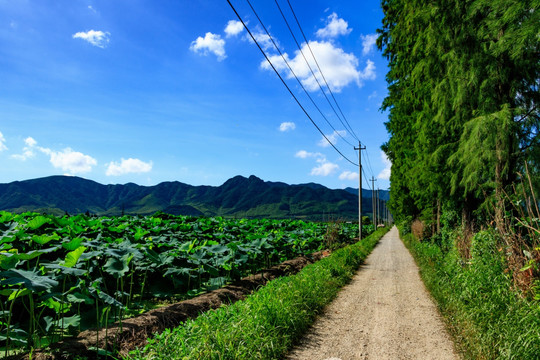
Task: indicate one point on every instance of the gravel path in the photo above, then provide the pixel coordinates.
(384, 313)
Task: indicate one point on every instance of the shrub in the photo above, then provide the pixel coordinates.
(418, 228)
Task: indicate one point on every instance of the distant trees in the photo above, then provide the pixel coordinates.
(462, 100)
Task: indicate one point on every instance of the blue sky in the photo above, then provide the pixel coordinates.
(144, 91)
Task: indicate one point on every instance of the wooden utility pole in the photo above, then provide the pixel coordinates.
(383, 208)
(378, 206)
(360, 148)
(373, 206)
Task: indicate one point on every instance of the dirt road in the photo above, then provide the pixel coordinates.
(384, 313)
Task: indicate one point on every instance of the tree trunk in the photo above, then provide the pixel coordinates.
(438, 215)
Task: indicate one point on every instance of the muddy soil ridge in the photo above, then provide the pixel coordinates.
(133, 332)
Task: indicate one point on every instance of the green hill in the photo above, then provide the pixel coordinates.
(237, 197)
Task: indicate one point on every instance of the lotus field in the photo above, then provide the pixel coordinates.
(61, 275)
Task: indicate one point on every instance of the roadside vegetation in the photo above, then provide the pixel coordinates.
(464, 143)
(270, 321)
(487, 315)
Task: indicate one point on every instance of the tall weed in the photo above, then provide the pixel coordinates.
(520, 232)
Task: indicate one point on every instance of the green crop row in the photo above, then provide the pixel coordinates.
(61, 275)
(266, 324)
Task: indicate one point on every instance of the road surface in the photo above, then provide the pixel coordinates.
(384, 313)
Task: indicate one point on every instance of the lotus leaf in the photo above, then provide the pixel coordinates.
(32, 280)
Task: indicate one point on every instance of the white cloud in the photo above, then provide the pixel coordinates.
(385, 173)
(339, 68)
(30, 142)
(92, 9)
(332, 137)
(349, 175)
(28, 150)
(233, 28)
(369, 71)
(2, 142)
(287, 126)
(368, 43)
(68, 160)
(128, 166)
(96, 38)
(71, 161)
(324, 169)
(334, 27)
(210, 43)
(303, 154)
(264, 40)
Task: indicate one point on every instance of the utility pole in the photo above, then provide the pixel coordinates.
(378, 206)
(383, 211)
(383, 207)
(360, 148)
(386, 214)
(373, 205)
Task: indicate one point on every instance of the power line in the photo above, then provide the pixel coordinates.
(312, 72)
(320, 71)
(365, 177)
(369, 163)
(284, 83)
(294, 74)
(366, 156)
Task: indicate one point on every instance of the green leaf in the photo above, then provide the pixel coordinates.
(17, 336)
(66, 270)
(35, 253)
(8, 260)
(32, 280)
(73, 244)
(106, 298)
(116, 267)
(5, 217)
(176, 271)
(211, 270)
(78, 298)
(62, 323)
(140, 233)
(43, 239)
(73, 256)
(18, 293)
(52, 304)
(37, 222)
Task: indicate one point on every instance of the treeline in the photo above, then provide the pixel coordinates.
(463, 121)
(463, 106)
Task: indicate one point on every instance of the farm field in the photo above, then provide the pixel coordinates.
(61, 275)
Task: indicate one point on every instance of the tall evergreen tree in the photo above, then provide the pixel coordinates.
(463, 96)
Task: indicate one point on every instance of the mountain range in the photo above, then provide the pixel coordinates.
(237, 197)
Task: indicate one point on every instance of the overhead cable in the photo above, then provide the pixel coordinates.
(313, 73)
(295, 76)
(284, 83)
(320, 71)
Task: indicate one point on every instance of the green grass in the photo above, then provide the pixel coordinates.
(486, 317)
(266, 324)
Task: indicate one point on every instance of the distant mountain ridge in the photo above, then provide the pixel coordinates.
(383, 194)
(237, 197)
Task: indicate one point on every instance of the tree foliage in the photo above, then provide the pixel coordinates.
(462, 101)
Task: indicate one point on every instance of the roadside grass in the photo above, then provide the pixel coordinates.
(488, 319)
(270, 321)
